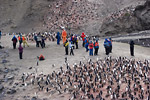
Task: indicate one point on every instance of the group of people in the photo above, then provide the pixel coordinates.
(40, 40)
(48, 36)
(72, 43)
(89, 45)
(69, 42)
(21, 39)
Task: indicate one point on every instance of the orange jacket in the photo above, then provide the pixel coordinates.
(19, 38)
(23, 38)
(96, 44)
(64, 33)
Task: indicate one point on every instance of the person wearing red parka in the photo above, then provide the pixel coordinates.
(91, 48)
(83, 36)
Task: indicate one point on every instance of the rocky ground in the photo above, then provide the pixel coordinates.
(11, 70)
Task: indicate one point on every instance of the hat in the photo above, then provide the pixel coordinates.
(106, 39)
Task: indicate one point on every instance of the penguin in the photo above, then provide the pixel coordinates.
(37, 64)
(66, 59)
(47, 90)
(59, 92)
(74, 95)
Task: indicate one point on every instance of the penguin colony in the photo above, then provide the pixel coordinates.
(109, 79)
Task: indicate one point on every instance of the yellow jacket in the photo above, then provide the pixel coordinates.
(66, 44)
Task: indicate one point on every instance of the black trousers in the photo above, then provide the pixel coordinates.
(14, 45)
(43, 44)
(83, 44)
(132, 51)
(71, 52)
(20, 55)
(96, 51)
(76, 45)
(36, 43)
(107, 49)
(111, 48)
(66, 50)
(39, 43)
(20, 42)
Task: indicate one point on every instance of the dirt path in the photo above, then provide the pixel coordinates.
(55, 54)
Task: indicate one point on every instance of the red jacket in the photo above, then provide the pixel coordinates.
(82, 36)
(91, 46)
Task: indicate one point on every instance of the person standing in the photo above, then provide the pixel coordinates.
(86, 44)
(71, 48)
(39, 39)
(76, 41)
(64, 35)
(58, 38)
(14, 39)
(91, 48)
(96, 47)
(43, 41)
(20, 39)
(83, 36)
(66, 44)
(132, 48)
(107, 46)
(0, 34)
(35, 38)
(110, 42)
(24, 41)
(20, 51)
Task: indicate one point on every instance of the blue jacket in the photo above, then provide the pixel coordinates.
(58, 36)
(110, 43)
(35, 38)
(106, 43)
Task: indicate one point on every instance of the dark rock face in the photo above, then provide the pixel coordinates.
(138, 20)
(142, 13)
